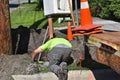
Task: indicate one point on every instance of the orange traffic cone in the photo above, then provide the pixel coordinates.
(69, 32)
(85, 13)
(86, 18)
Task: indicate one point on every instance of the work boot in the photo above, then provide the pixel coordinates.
(64, 70)
(61, 74)
(63, 65)
(58, 71)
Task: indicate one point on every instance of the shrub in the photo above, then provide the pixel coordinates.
(108, 9)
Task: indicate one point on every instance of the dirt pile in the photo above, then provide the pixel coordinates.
(13, 64)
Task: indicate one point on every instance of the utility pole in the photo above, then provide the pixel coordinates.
(5, 31)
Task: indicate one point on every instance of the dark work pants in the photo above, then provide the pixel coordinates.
(57, 56)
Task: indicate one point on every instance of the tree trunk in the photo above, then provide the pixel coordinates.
(5, 32)
(29, 1)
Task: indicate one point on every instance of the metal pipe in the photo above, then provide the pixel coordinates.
(76, 12)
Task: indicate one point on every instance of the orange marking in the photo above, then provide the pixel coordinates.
(90, 75)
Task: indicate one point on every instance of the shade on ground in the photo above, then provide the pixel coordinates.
(104, 74)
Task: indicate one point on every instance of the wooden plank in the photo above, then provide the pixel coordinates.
(111, 39)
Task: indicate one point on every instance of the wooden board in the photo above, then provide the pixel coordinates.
(111, 39)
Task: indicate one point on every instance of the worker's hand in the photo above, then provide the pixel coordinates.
(35, 52)
(33, 55)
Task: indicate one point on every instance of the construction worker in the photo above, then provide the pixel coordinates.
(59, 50)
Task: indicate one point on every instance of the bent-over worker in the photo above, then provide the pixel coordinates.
(59, 50)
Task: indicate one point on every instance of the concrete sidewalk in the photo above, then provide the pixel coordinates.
(104, 74)
(107, 24)
(72, 75)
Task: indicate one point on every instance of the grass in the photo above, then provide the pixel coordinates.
(70, 67)
(29, 16)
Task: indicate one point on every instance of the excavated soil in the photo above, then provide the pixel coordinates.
(24, 41)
